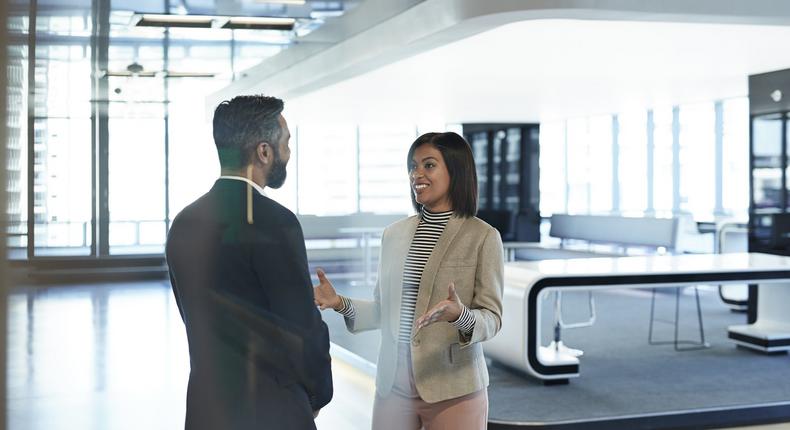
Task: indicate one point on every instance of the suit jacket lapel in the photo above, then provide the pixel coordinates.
(400, 248)
(432, 266)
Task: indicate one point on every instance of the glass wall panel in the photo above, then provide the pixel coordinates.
(62, 145)
(506, 150)
(512, 170)
(193, 163)
(383, 175)
(496, 177)
(767, 153)
(137, 177)
(578, 166)
(16, 143)
(479, 143)
(735, 157)
(552, 168)
(662, 161)
(697, 160)
(327, 169)
(632, 162)
(600, 160)
(589, 155)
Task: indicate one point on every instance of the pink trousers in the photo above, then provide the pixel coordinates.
(403, 409)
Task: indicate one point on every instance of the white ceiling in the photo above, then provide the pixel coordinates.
(540, 70)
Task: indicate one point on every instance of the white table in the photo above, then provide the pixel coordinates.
(526, 283)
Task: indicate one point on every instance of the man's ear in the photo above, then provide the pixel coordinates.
(263, 153)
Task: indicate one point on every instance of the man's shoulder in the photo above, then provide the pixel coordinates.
(191, 210)
(275, 212)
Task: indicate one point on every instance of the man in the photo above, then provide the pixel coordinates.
(259, 351)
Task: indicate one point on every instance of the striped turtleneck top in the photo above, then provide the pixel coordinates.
(428, 231)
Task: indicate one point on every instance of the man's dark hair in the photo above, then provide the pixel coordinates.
(243, 122)
(460, 164)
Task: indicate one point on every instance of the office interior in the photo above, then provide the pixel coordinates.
(632, 155)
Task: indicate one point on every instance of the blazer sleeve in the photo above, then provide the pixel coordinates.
(489, 284)
(368, 312)
(290, 294)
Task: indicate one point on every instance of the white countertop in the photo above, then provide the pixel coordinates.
(649, 265)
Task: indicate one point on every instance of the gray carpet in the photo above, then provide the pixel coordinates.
(621, 375)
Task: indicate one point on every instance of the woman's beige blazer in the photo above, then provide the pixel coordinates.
(446, 364)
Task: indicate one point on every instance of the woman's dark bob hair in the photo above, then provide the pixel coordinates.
(460, 164)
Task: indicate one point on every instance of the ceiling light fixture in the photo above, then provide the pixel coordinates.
(158, 73)
(260, 23)
(207, 21)
(168, 20)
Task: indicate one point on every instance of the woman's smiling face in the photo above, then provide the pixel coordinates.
(430, 180)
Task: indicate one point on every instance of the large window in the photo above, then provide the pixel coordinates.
(735, 157)
(328, 169)
(62, 148)
(16, 144)
(680, 165)
(589, 164)
(632, 162)
(192, 163)
(137, 178)
(383, 177)
(697, 157)
(663, 159)
(552, 168)
(120, 138)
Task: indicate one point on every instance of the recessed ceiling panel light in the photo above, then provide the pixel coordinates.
(260, 23)
(167, 20)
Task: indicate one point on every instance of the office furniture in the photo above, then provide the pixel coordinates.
(769, 109)
(508, 170)
(733, 237)
(526, 283)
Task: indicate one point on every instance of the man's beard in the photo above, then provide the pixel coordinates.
(276, 177)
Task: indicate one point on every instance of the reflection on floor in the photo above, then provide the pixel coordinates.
(114, 356)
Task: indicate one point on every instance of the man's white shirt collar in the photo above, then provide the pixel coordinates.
(241, 178)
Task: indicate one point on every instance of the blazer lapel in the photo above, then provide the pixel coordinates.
(432, 266)
(400, 248)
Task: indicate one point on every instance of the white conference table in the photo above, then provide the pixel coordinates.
(527, 282)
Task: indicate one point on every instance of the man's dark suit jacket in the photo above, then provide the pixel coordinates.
(259, 351)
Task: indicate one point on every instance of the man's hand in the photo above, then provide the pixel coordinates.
(324, 293)
(446, 310)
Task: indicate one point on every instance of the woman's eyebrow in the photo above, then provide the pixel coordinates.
(430, 157)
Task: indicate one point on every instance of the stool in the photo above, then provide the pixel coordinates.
(692, 344)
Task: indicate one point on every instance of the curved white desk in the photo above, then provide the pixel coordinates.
(518, 343)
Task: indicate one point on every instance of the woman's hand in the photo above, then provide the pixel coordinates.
(324, 293)
(448, 310)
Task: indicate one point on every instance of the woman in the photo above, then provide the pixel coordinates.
(445, 267)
